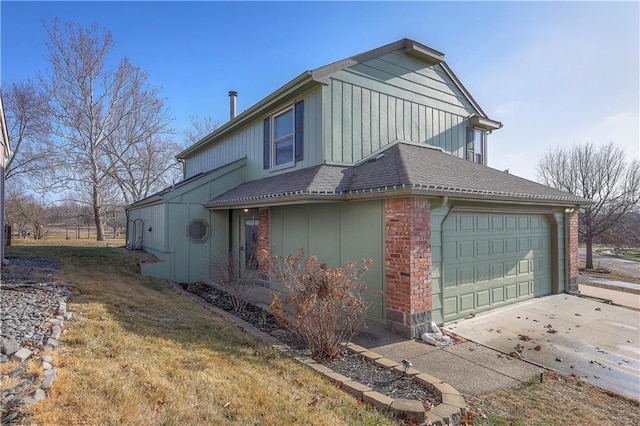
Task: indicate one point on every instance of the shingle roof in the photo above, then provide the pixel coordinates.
(401, 167)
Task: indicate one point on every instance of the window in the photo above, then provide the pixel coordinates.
(283, 136)
(198, 231)
(476, 141)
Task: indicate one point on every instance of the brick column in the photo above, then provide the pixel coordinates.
(572, 219)
(264, 242)
(408, 265)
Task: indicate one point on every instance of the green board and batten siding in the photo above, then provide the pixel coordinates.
(246, 142)
(482, 260)
(336, 233)
(372, 104)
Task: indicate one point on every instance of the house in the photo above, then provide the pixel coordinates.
(5, 152)
(382, 155)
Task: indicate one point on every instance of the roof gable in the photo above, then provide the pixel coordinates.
(321, 75)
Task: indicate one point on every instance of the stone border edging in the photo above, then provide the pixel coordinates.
(450, 411)
(24, 354)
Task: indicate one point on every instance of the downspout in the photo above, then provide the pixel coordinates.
(445, 202)
(567, 252)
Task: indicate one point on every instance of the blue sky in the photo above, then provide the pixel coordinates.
(554, 73)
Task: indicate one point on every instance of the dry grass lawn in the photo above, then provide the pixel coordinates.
(558, 400)
(148, 356)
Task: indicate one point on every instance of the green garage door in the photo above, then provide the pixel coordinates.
(490, 260)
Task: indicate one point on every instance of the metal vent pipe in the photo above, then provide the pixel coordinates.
(233, 96)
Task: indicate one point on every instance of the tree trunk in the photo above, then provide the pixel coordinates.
(589, 261)
(98, 216)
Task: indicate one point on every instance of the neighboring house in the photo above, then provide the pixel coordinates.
(382, 155)
(4, 155)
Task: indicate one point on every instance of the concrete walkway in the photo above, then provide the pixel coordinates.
(469, 367)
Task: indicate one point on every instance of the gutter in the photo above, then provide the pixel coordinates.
(296, 197)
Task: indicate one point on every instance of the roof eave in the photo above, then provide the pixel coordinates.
(5, 132)
(299, 84)
(381, 193)
(145, 202)
(484, 123)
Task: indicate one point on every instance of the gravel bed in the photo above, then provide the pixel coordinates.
(354, 366)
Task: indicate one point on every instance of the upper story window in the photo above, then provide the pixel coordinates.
(476, 145)
(283, 136)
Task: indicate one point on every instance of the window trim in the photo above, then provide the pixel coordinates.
(206, 235)
(291, 135)
(472, 154)
(269, 148)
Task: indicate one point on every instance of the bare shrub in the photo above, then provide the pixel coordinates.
(236, 280)
(328, 303)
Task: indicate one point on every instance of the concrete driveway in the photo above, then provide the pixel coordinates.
(593, 340)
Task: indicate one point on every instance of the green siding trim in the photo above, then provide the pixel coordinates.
(247, 141)
(336, 233)
(365, 118)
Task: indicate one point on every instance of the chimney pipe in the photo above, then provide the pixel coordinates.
(233, 95)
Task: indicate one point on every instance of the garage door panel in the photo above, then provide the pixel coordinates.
(482, 222)
(483, 299)
(497, 223)
(523, 222)
(493, 259)
(450, 278)
(450, 306)
(510, 222)
(534, 243)
(497, 247)
(534, 222)
(523, 244)
(524, 289)
(466, 223)
(497, 295)
(482, 273)
(466, 302)
(511, 292)
(465, 250)
(465, 276)
(482, 248)
(497, 271)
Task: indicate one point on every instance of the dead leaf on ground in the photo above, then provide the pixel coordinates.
(524, 337)
(158, 405)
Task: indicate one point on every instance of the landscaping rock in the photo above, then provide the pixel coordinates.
(23, 354)
(9, 347)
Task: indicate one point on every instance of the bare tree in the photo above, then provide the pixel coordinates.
(599, 174)
(200, 128)
(28, 215)
(148, 166)
(92, 103)
(28, 124)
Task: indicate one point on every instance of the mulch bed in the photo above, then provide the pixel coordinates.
(380, 379)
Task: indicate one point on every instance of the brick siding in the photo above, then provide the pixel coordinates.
(264, 241)
(408, 264)
(573, 250)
